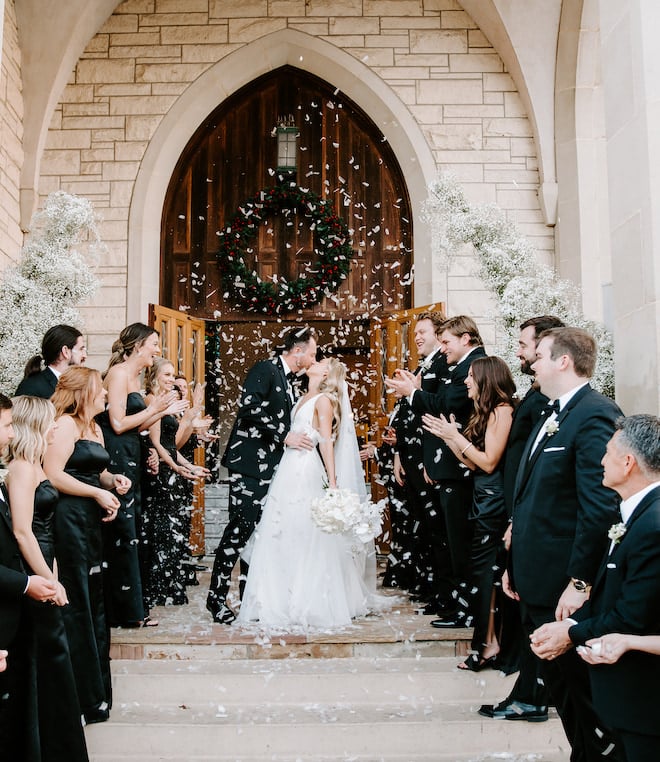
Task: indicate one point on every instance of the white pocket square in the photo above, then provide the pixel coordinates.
(611, 566)
(553, 449)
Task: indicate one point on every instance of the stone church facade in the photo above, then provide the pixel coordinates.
(548, 108)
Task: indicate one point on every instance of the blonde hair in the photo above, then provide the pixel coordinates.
(75, 392)
(152, 374)
(32, 417)
(333, 387)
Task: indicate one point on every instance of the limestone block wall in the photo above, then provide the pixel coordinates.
(11, 138)
(429, 53)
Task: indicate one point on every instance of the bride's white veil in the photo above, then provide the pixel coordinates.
(350, 475)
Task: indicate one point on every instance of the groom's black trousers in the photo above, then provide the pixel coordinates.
(246, 495)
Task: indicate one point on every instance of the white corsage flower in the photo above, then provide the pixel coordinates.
(551, 427)
(616, 532)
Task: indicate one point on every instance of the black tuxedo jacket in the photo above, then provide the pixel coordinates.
(414, 445)
(626, 598)
(525, 416)
(40, 384)
(256, 442)
(561, 510)
(13, 579)
(449, 397)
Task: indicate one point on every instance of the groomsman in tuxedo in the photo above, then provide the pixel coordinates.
(625, 597)
(413, 457)
(255, 447)
(61, 347)
(18, 726)
(528, 698)
(561, 514)
(460, 343)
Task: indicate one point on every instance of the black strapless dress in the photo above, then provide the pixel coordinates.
(123, 582)
(79, 552)
(61, 736)
(166, 527)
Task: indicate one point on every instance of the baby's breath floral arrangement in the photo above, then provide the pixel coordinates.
(509, 268)
(340, 511)
(52, 276)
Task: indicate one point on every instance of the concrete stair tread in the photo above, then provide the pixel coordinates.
(559, 756)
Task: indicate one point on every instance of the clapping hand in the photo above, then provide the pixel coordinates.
(403, 383)
(441, 427)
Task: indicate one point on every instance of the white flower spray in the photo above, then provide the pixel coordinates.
(509, 268)
(52, 276)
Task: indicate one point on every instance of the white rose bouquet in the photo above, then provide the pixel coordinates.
(341, 511)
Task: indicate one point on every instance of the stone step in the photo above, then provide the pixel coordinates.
(440, 756)
(365, 681)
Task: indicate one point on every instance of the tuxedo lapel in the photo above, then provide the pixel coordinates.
(4, 506)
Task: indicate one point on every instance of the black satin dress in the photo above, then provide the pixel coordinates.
(61, 736)
(166, 524)
(78, 548)
(123, 581)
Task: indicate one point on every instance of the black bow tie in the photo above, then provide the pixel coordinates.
(290, 375)
(553, 407)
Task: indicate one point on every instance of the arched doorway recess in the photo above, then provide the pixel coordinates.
(344, 158)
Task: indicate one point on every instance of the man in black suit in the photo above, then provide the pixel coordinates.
(62, 346)
(460, 343)
(561, 513)
(255, 447)
(414, 455)
(528, 698)
(17, 725)
(625, 597)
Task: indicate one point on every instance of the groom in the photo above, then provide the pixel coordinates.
(255, 447)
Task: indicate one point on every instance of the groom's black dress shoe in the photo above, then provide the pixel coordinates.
(514, 710)
(221, 614)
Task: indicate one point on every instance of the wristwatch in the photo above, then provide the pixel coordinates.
(580, 585)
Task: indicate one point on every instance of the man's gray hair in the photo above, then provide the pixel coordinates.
(641, 433)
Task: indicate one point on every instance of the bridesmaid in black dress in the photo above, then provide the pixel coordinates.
(33, 501)
(167, 506)
(76, 463)
(125, 416)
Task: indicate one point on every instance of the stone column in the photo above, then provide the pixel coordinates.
(631, 89)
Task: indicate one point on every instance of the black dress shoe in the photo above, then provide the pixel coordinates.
(515, 710)
(96, 715)
(222, 614)
(450, 622)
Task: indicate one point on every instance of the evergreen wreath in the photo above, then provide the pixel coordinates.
(332, 244)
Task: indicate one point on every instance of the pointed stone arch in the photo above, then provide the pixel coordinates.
(286, 47)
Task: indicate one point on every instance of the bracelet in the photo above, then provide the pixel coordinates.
(466, 448)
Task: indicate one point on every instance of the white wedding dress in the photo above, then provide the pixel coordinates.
(300, 576)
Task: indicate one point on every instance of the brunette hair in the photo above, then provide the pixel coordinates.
(31, 418)
(460, 324)
(131, 338)
(297, 336)
(495, 387)
(51, 345)
(542, 323)
(333, 387)
(579, 345)
(5, 402)
(437, 318)
(151, 383)
(74, 393)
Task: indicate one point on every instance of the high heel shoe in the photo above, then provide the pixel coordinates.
(475, 663)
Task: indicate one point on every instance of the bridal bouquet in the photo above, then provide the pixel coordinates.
(340, 511)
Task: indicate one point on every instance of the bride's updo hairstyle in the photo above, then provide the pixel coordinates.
(333, 386)
(131, 338)
(151, 374)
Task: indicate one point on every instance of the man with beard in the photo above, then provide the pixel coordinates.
(61, 347)
(528, 698)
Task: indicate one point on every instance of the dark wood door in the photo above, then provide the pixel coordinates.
(342, 156)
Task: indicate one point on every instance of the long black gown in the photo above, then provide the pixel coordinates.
(166, 522)
(123, 581)
(61, 735)
(79, 552)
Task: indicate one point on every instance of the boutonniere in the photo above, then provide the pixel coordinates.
(426, 364)
(616, 532)
(3, 473)
(551, 427)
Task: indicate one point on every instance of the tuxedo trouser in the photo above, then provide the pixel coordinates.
(638, 747)
(246, 496)
(529, 687)
(567, 680)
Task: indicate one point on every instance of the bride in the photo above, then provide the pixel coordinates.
(300, 576)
